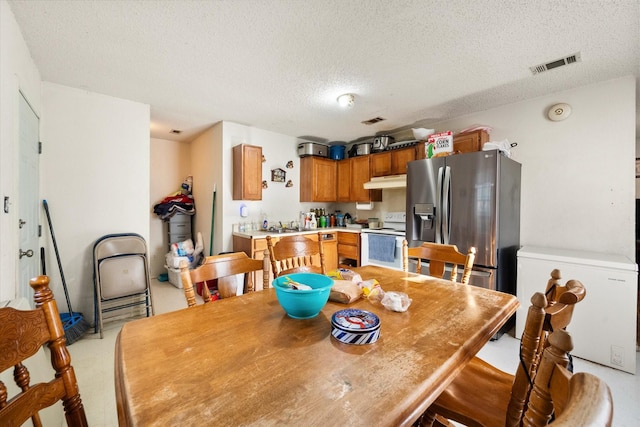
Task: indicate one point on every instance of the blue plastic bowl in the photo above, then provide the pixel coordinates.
(303, 304)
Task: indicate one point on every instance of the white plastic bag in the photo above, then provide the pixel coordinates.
(504, 146)
(396, 301)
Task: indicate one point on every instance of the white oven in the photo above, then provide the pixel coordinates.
(383, 246)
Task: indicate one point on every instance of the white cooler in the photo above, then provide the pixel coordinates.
(603, 326)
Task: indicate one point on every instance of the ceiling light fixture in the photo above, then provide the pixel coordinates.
(347, 100)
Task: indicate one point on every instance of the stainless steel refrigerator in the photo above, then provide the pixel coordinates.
(470, 199)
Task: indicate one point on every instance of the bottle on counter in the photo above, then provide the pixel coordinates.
(265, 221)
(322, 221)
(332, 220)
(313, 224)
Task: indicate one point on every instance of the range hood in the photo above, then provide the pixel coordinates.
(391, 181)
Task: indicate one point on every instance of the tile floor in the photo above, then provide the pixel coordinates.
(93, 359)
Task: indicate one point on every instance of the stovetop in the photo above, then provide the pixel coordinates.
(392, 222)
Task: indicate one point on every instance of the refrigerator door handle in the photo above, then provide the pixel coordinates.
(446, 214)
(438, 209)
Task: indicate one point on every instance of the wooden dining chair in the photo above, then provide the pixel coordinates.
(219, 267)
(295, 254)
(579, 399)
(483, 395)
(22, 334)
(440, 256)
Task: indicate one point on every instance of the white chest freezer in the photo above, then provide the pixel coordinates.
(603, 325)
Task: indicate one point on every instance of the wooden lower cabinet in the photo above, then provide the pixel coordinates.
(330, 248)
(348, 249)
(255, 247)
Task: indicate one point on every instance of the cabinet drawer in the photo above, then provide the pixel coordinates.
(180, 227)
(178, 237)
(348, 238)
(348, 251)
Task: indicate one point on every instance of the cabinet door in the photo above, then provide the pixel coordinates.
(344, 181)
(470, 142)
(247, 172)
(348, 249)
(400, 158)
(330, 248)
(381, 164)
(360, 173)
(317, 179)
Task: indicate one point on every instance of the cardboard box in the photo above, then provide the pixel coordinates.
(439, 144)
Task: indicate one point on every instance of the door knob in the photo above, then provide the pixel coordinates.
(28, 253)
(21, 223)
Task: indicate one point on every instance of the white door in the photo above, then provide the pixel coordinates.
(28, 203)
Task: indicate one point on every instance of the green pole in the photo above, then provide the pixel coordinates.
(213, 210)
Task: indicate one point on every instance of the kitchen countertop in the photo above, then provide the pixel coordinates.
(259, 234)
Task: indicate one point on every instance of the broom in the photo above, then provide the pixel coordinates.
(73, 324)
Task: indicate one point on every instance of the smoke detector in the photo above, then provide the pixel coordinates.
(559, 112)
(537, 69)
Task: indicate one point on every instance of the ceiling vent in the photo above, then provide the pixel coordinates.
(373, 121)
(537, 69)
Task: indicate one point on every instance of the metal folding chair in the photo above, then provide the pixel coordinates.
(121, 275)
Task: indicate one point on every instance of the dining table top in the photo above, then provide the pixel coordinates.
(243, 361)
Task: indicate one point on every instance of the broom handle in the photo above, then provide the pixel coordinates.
(55, 246)
(213, 210)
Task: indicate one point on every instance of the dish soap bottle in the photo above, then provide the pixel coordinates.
(265, 221)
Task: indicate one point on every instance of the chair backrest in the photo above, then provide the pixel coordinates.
(440, 256)
(573, 400)
(22, 334)
(221, 266)
(546, 314)
(294, 254)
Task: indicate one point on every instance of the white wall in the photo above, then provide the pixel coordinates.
(578, 185)
(170, 164)
(95, 177)
(279, 202)
(212, 165)
(206, 167)
(18, 73)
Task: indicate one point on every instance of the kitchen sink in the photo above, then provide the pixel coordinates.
(280, 230)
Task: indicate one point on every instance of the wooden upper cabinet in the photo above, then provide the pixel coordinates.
(381, 164)
(361, 173)
(247, 172)
(465, 143)
(470, 142)
(343, 184)
(317, 179)
(400, 158)
(392, 162)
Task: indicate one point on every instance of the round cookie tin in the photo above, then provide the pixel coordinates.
(355, 326)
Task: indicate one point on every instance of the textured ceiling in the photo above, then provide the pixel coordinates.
(279, 65)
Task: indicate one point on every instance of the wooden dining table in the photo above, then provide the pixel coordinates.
(243, 361)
